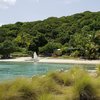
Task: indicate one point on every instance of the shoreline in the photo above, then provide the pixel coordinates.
(69, 61)
(52, 60)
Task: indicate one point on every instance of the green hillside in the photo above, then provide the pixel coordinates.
(77, 35)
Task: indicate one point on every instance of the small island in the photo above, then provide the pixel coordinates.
(75, 36)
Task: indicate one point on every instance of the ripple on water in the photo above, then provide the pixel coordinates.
(11, 70)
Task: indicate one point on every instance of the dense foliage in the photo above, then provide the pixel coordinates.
(77, 35)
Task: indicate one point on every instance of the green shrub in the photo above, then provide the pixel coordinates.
(49, 48)
(48, 85)
(46, 96)
(75, 84)
(84, 89)
(21, 88)
(75, 53)
(56, 77)
(70, 77)
(57, 53)
(98, 70)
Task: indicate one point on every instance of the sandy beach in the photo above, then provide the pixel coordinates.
(19, 59)
(52, 60)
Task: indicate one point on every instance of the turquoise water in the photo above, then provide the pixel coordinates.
(11, 70)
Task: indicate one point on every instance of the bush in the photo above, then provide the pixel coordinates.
(98, 70)
(84, 89)
(75, 84)
(46, 96)
(48, 85)
(73, 75)
(56, 77)
(75, 53)
(57, 53)
(49, 48)
(20, 89)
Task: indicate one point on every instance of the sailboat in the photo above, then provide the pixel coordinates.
(35, 57)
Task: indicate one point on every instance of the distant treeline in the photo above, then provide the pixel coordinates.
(77, 36)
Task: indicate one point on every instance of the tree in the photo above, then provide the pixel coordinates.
(6, 48)
(49, 48)
(37, 42)
(80, 33)
(91, 51)
(97, 38)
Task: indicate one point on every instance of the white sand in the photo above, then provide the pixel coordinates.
(53, 60)
(69, 61)
(19, 59)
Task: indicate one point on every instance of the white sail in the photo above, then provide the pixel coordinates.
(35, 57)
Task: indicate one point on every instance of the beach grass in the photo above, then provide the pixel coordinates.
(75, 84)
(98, 70)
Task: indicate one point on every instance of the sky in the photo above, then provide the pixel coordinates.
(12, 11)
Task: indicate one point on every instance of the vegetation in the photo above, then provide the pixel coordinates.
(98, 70)
(75, 84)
(77, 35)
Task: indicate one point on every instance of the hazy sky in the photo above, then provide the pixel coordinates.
(12, 11)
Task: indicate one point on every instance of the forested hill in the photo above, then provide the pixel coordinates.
(77, 35)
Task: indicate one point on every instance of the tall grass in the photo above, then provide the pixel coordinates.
(20, 89)
(68, 78)
(98, 70)
(75, 84)
(84, 89)
(46, 96)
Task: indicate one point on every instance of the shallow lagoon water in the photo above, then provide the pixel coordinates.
(12, 70)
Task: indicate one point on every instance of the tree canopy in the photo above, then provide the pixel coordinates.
(75, 35)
